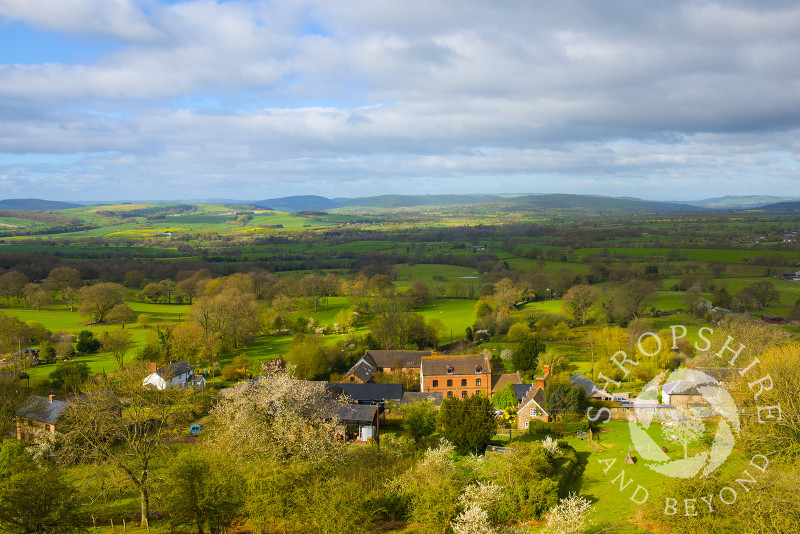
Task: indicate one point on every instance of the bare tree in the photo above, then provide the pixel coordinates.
(128, 434)
(579, 300)
(117, 342)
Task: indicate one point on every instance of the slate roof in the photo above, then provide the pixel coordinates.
(41, 409)
(395, 358)
(520, 390)
(578, 380)
(175, 369)
(461, 365)
(538, 396)
(356, 413)
(363, 369)
(363, 393)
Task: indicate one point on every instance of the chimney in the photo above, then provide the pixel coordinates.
(546, 370)
(540, 383)
(153, 367)
(691, 366)
(52, 397)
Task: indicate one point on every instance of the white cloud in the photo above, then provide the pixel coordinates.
(246, 93)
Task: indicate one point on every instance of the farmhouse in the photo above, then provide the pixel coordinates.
(457, 376)
(39, 414)
(177, 375)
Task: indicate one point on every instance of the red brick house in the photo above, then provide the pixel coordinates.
(407, 361)
(456, 376)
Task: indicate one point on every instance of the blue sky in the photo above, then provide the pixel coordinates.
(148, 99)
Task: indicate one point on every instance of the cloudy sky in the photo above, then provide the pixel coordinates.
(157, 99)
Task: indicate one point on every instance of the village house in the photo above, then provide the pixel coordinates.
(177, 375)
(532, 405)
(39, 414)
(457, 376)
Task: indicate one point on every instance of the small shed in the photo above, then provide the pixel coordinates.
(363, 417)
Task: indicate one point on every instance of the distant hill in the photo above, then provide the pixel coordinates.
(35, 204)
(599, 203)
(782, 206)
(736, 202)
(521, 202)
(298, 203)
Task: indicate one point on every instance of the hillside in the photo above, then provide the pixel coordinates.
(737, 202)
(516, 202)
(35, 204)
(782, 206)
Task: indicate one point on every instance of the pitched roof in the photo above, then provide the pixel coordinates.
(681, 387)
(356, 413)
(42, 409)
(578, 380)
(500, 381)
(537, 396)
(370, 392)
(363, 369)
(175, 369)
(397, 358)
(458, 365)
(520, 390)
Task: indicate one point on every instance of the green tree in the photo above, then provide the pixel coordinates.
(419, 420)
(118, 343)
(87, 342)
(526, 355)
(129, 438)
(39, 502)
(579, 300)
(65, 281)
(468, 424)
(99, 299)
(506, 397)
(560, 398)
(70, 376)
(121, 314)
(205, 491)
(305, 352)
(765, 292)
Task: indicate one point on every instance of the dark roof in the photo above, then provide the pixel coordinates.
(538, 396)
(460, 365)
(578, 380)
(356, 413)
(369, 392)
(520, 390)
(175, 369)
(41, 409)
(397, 358)
(410, 397)
(363, 369)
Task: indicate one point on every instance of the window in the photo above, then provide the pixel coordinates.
(526, 424)
(449, 394)
(478, 369)
(449, 369)
(449, 382)
(477, 381)
(534, 412)
(436, 383)
(463, 394)
(463, 382)
(352, 379)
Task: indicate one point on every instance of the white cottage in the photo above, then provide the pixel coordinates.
(177, 375)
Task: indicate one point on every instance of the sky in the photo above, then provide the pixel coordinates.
(251, 100)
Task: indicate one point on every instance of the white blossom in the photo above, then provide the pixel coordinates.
(550, 445)
(473, 520)
(569, 515)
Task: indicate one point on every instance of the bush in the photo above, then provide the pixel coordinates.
(87, 342)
